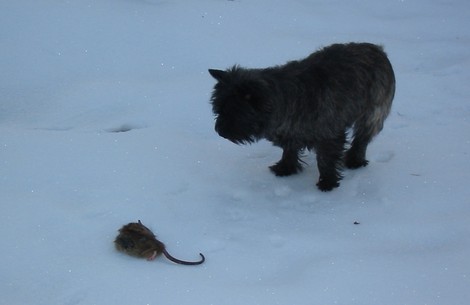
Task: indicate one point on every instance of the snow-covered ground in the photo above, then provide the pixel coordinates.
(105, 119)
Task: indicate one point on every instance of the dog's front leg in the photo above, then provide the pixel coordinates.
(289, 164)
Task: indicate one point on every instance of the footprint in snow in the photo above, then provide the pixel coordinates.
(125, 128)
(384, 157)
(282, 191)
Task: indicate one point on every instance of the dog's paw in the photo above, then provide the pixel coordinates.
(353, 163)
(326, 185)
(281, 169)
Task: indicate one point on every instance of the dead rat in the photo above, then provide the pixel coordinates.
(137, 240)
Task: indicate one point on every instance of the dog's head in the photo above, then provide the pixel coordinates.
(239, 102)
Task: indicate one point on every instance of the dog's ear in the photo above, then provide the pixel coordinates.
(218, 74)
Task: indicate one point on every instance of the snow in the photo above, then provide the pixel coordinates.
(105, 119)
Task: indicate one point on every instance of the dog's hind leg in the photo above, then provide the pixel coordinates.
(355, 157)
(329, 162)
(372, 120)
(367, 127)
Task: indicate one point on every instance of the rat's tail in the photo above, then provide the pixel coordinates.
(178, 261)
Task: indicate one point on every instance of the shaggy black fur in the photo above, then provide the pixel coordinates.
(309, 104)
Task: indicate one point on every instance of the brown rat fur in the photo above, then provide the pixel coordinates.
(137, 240)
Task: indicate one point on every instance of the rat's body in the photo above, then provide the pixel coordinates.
(137, 240)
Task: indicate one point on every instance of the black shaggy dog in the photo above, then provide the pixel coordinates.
(309, 104)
